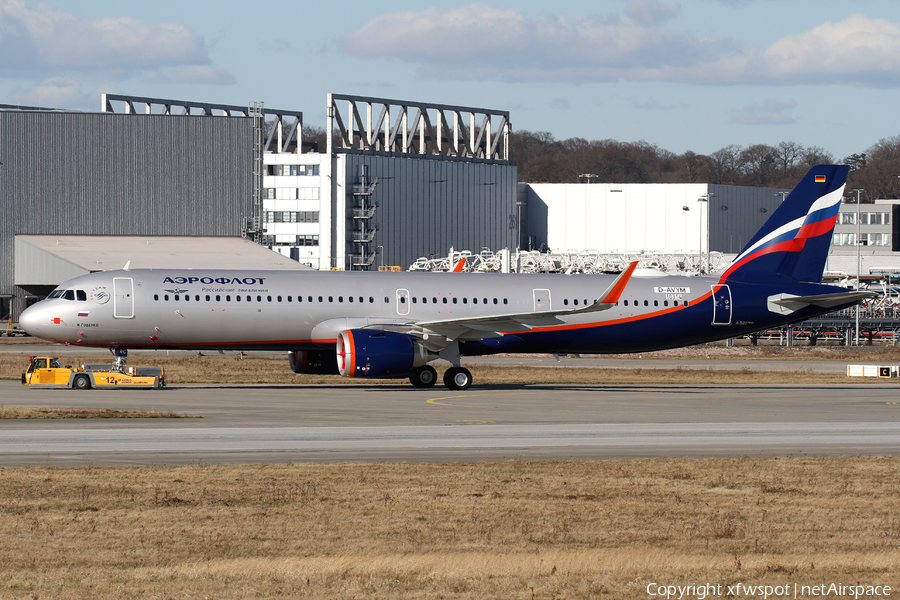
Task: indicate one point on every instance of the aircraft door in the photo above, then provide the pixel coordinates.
(123, 294)
(541, 300)
(402, 302)
(721, 305)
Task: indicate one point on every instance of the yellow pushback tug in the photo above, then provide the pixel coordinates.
(45, 371)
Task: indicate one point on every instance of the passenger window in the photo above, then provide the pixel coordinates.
(176, 297)
(495, 301)
(258, 298)
(626, 303)
(434, 300)
(465, 300)
(360, 299)
(218, 298)
(415, 300)
(656, 303)
(566, 302)
(166, 297)
(455, 300)
(350, 298)
(320, 298)
(445, 300)
(474, 300)
(81, 295)
(371, 299)
(238, 298)
(576, 301)
(646, 303)
(387, 300)
(505, 301)
(270, 298)
(228, 298)
(156, 296)
(665, 302)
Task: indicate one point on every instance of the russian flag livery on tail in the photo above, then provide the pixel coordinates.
(394, 324)
(794, 241)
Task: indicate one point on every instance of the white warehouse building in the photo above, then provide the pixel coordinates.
(635, 217)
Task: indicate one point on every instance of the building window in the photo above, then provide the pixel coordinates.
(307, 240)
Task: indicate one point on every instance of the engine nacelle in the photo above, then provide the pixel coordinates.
(379, 354)
(313, 362)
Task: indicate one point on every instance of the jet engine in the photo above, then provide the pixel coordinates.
(313, 362)
(379, 354)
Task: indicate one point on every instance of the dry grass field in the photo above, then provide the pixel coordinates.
(214, 368)
(510, 530)
(603, 529)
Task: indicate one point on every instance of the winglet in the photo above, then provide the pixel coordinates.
(459, 266)
(127, 266)
(611, 296)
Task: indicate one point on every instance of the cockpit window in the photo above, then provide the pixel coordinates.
(69, 295)
(56, 293)
(81, 295)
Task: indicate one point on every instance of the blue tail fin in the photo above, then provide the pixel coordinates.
(795, 240)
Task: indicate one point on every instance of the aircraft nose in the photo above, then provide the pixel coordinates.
(32, 320)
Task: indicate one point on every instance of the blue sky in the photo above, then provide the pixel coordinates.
(691, 75)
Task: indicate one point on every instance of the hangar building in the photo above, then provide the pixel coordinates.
(396, 180)
(653, 217)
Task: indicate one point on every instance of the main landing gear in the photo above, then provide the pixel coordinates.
(455, 378)
(423, 377)
(458, 378)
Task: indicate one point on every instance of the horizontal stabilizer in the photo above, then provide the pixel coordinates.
(788, 303)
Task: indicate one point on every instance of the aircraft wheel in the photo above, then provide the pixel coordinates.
(458, 378)
(423, 377)
(81, 382)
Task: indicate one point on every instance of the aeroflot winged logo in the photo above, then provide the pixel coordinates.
(220, 280)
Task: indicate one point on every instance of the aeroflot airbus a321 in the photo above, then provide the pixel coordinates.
(391, 325)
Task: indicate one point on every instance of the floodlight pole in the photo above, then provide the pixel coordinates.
(707, 197)
(858, 263)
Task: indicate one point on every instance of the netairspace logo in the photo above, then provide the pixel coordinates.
(698, 591)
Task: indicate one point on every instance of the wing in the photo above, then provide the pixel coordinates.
(476, 328)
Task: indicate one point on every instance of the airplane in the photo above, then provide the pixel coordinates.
(393, 324)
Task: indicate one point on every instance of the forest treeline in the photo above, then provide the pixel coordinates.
(542, 158)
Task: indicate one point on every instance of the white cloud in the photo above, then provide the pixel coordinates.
(53, 92)
(867, 51)
(46, 42)
(482, 42)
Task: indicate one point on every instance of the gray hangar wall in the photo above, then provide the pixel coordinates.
(426, 205)
(119, 174)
